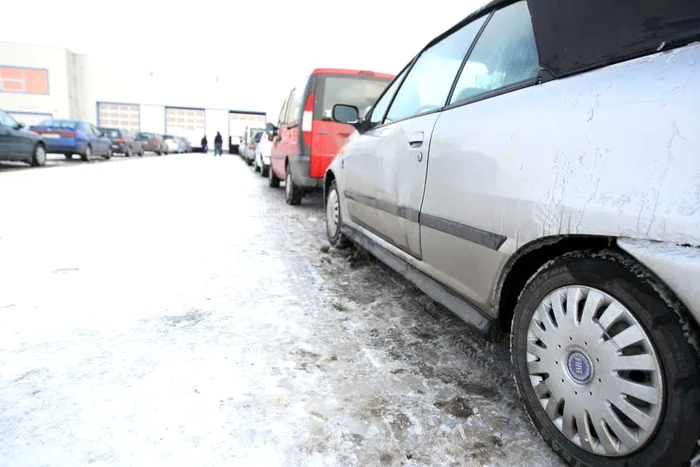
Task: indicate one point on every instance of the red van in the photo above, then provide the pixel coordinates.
(306, 139)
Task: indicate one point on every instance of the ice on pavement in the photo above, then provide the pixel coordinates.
(175, 312)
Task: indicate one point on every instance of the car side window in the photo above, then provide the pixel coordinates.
(504, 55)
(430, 79)
(6, 120)
(283, 112)
(379, 110)
(286, 110)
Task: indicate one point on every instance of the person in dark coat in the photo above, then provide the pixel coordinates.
(218, 143)
(205, 143)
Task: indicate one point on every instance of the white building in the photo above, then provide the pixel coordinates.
(37, 82)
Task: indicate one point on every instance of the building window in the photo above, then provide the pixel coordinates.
(24, 80)
(126, 116)
(185, 122)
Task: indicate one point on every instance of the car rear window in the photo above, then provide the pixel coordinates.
(146, 136)
(68, 124)
(360, 91)
(111, 133)
(168, 137)
(257, 137)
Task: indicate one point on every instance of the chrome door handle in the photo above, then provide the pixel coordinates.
(416, 139)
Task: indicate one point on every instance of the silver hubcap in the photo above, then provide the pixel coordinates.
(594, 370)
(288, 185)
(332, 213)
(40, 155)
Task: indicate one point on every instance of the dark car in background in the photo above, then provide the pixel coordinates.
(68, 137)
(123, 141)
(187, 146)
(18, 144)
(152, 142)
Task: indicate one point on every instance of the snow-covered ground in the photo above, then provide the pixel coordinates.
(175, 312)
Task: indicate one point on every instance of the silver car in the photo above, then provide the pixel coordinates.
(537, 171)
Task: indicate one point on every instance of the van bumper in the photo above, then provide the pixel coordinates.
(301, 168)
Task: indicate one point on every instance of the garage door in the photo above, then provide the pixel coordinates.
(29, 118)
(185, 122)
(124, 116)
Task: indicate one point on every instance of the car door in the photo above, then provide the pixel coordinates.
(279, 146)
(102, 142)
(14, 143)
(386, 168)
(469, 211)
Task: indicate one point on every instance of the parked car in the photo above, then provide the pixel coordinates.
(306, 138)
(18, 144)
(68, 137)
(248, 144)
(186, 145)
(174, 144)
(123, 141)
(263, 152)
(534, 180)
(153, 142)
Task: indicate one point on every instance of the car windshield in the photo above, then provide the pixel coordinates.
(146, 136)
(111, 132)
(360, 91)
(69, 124)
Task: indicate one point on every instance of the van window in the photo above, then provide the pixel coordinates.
(429, 81)
(360, 91)
(505, 54)
(297, 103)
(283, 115)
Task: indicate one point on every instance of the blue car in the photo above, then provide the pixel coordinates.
(70, 137)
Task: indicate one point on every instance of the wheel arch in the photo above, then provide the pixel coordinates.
(528, 259)
(327, 180)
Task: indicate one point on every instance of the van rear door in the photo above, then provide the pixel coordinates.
(360, 89)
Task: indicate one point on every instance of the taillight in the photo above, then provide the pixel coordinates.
(307, 119)
(269, 137)
(155, 141)
(121, 141)
(251, 146)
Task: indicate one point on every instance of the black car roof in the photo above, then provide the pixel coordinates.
(576, 35)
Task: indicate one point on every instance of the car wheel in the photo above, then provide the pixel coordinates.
(87, 155)
(159, 153)
(292, 192)
(127, 153)
(141, 152)
(272, 180)
(68, 156)
(264, 170)
(39, 156)
(604, 363)
(108, 156)
(334, 219)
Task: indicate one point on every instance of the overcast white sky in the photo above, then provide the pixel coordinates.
(272, 43)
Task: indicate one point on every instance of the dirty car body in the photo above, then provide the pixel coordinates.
(530, 176)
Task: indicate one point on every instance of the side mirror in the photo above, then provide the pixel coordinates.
(21, 125)
(346, 114)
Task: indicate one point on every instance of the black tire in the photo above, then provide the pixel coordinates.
(87, 155)
(127, 153)
(160, 153)
(68, 156)
(293, 193)
(661, 317)
(272, 180)
(334, 234)
(265, 170)
(141, 152)
(108, 156)
(39, 156)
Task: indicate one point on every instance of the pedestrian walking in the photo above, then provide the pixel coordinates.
(205, 146)
(218, 143)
